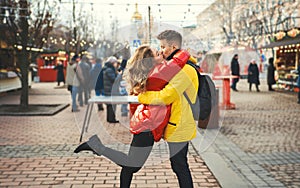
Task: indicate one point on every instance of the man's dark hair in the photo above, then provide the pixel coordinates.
(271, 60)
(75, 57)
(171, 36)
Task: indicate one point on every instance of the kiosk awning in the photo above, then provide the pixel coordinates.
(283, 42)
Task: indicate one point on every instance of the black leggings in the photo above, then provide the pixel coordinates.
(140, 148)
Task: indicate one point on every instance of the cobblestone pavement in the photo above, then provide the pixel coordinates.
(258, 142)
(262, 136)
(37, 151)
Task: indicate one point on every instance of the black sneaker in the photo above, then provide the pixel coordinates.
(116, 121)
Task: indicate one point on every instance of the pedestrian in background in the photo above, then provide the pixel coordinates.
(83, 72)
(253, 75)
(122, 88)
(199, 58)
(75, 82)
(70, 73)
(298, 83)
(235, 71)
(60, 76)
(109, 77)
(96, 75)
(271, 74)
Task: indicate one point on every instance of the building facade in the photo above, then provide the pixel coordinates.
(253, 22)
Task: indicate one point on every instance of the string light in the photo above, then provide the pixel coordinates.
(159, 5)
(13, 8)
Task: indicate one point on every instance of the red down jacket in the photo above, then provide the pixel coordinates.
(155, 117)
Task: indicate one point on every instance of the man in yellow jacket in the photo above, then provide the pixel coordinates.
(181, 127)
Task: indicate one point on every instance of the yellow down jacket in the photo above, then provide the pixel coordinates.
(181, 126)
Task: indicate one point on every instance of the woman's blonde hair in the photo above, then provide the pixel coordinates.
(138, 68)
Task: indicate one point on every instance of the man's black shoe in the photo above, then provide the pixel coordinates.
(234, 89)
(116, 121)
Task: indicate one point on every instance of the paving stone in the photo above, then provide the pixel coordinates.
(256, 128)
(38, 151)
(261, 136)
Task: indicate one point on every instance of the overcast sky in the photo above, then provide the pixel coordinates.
(179, 13)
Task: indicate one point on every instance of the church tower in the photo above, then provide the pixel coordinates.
(136, 29)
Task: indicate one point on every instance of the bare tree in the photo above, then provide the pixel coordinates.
(265, 18)
(226, 11)
(244, 20)
(28, 24)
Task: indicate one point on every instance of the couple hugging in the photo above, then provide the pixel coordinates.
(160, 79)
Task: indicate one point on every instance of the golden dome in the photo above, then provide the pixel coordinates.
(136, 16)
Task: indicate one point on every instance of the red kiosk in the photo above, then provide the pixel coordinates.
(46, 63)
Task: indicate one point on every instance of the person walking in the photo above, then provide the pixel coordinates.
(122, 88)
(297, 71)
(109, 77)
(60, 76)
(75, 82)
(235, 71)
(253, 75)
(200, 58)
(70, 73)
(271, 74)
(83, 72)
(298, 82)
(139, 66)
(96, 75)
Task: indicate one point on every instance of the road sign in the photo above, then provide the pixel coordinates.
(136, 43)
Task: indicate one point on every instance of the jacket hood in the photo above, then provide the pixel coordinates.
(109, 65)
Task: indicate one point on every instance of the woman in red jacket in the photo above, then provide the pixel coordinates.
(146, 70)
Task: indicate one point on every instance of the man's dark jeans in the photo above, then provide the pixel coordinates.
(234, 82)
(179, 163)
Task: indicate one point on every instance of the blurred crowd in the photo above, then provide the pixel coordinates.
(85, 75)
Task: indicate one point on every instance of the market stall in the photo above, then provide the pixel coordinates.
(286, 57)
(9, 79)
(9, 72)
(46, 63)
